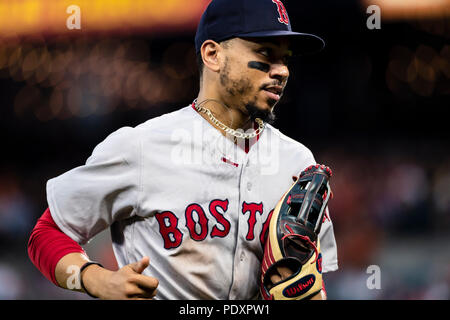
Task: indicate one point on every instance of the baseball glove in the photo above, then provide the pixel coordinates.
(292, 238)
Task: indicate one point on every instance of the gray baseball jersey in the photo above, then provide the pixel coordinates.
(178, 191)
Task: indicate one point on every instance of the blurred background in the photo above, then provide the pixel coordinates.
(379, 98)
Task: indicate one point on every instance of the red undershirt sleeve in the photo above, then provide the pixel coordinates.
(48, 244)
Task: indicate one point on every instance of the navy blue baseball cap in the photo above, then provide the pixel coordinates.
(226, 19)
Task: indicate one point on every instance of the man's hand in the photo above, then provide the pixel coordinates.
(281, 274)
(123, 284)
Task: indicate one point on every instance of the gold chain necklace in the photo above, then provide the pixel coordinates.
(228, 130)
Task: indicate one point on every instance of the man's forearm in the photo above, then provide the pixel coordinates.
(67, 273)
(60, 259)
(68, 269)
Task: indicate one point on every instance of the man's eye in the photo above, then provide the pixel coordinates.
(264, 52)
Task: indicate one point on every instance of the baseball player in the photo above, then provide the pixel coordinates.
(187, 195)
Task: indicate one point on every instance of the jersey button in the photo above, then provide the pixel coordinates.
(249, 186)
(242, 256)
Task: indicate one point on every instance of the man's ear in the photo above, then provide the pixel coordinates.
(210, 55)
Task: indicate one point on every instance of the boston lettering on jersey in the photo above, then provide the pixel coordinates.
(198, 229)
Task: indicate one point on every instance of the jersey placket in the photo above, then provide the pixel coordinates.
(241, 259)
(236, 158)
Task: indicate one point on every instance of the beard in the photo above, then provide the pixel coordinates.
(243, 87)
(265, 115)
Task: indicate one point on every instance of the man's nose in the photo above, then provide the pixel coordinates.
(279, 71)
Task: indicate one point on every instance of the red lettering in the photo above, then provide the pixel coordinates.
(265, 229)
(319, 263)
(282, 12)
(303, 286)
(253, 208)
(292, 291)
(223, 204)
(202, 222)
(197, 222)
(168, 228)
(300, 287)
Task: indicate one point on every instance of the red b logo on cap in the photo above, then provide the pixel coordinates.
(282, 12)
